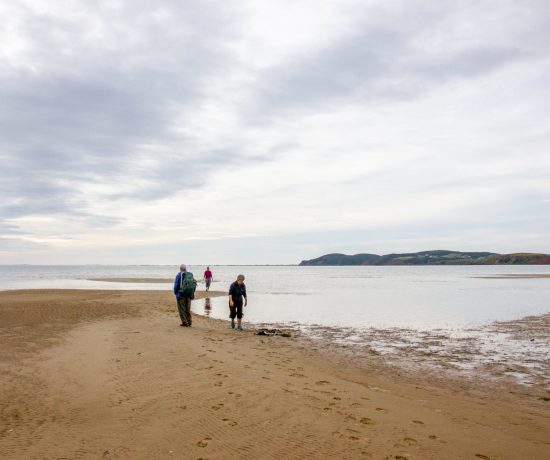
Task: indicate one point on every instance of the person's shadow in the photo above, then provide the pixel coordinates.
(207, 306)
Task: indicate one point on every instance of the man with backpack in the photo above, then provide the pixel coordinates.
(184, 289)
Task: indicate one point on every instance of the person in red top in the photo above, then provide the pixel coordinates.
(208, 278)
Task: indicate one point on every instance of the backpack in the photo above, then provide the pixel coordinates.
(188, 284)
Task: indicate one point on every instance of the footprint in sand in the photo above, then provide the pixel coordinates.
(229, 422)
(322, 382)
(217, 406)
(341, 435)
(381, 409)
(218, 384)
(410, 441)
(337, 398)
(204, 442)
(366, 421)
(297, 374)
(419, 422)
(484, 457)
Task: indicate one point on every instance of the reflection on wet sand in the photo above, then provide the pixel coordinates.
(207, 306)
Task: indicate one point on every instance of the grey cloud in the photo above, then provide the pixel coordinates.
(7, 229)
(14, 245)
(470, 63)
(90, 104)
(96, 89)
(383, 61)
(362, 71)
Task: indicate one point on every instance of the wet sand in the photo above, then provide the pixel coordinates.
(513, 355)
(110, 374)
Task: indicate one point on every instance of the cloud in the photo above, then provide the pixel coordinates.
(90, 96)
(215, 125)
(396, 53)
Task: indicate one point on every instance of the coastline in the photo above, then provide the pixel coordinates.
(113, 376)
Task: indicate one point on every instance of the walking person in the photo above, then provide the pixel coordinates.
(184, 289)
(237, 291)
(208, 278)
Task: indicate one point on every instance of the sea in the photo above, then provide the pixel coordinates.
(480, 320)
(414, 297)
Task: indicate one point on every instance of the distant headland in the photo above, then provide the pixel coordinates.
(439, 257)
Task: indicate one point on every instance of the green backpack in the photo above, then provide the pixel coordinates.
(188, 284)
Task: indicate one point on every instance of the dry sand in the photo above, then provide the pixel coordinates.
(110, 374)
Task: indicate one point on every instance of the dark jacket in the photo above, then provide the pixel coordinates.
(237, 292)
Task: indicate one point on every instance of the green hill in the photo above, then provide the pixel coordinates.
(439, 257)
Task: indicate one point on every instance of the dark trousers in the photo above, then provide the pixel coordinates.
(184, 309)
(237, 310)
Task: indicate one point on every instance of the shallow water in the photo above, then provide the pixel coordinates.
(425, 298)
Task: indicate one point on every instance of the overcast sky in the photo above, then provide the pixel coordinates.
(271, 131)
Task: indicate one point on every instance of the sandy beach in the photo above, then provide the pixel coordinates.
(110, 374)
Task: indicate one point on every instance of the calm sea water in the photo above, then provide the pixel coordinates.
(383, 297)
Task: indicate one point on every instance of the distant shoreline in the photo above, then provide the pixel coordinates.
(435, 257)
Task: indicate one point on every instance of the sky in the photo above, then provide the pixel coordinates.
(267, 132)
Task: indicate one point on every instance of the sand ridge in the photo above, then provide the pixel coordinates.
(133, 280)
(128, 382)
(514, 276)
